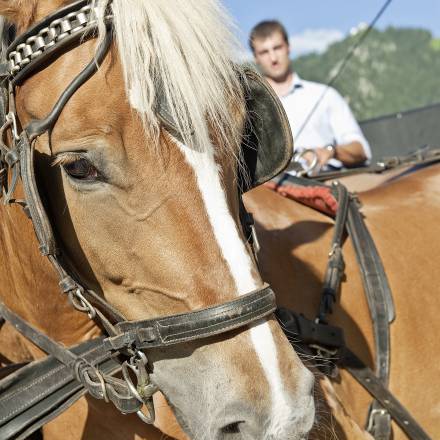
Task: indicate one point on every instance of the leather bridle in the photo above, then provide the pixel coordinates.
(35, 49)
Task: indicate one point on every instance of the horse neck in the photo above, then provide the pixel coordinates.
(29, 285)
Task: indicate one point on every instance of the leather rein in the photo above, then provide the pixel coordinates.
(35, 49)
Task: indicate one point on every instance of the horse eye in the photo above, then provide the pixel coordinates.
(81, 169)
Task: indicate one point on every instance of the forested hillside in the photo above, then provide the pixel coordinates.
(394, 70)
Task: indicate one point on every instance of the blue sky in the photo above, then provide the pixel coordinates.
(313, 24)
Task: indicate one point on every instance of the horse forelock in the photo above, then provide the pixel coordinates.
(181, 52)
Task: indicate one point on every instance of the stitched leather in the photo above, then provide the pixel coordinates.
(187, 327)
(38, 390)
(89, 370)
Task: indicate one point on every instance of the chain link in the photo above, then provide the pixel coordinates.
(47, 37)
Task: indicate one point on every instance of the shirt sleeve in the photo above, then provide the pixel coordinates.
(343, 123)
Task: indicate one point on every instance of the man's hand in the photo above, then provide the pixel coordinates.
(323, 155)
(351, 154)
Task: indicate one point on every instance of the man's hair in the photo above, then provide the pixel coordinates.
(265, 29)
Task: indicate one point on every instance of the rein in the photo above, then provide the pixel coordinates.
(37, 48)
(422, 157)
(326, 342)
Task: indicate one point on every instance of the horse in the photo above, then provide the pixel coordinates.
(400, 211)
(132, 175)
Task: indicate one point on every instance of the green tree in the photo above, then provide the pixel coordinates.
(394, 70)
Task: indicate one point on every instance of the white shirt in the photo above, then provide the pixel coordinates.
(332, 121)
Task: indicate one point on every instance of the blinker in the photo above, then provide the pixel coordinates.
(268, 153)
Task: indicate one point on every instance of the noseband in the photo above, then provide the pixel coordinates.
(36, 49)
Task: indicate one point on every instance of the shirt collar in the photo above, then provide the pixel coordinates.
(297, 83)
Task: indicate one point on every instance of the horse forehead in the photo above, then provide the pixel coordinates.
(43, 8)
(101, 98)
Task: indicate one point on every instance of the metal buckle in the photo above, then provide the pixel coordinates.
(373, 415)
(144, 389)
(10, 117)
(10, 122)
(324, 352)
(80, 303)
(311, 169)
(255, 240)
(327, 360)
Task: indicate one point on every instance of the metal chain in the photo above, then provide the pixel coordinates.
(59, 29)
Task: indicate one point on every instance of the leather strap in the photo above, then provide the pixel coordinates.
(170, 330)
(421, 157)
(381, 305)
(88, 368)
(368, 379)
(336, 265)
(38, 127)
(37, 393)
(306, 335)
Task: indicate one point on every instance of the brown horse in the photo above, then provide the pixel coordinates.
(149, 222)
(401, 213)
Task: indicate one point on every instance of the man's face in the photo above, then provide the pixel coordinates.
(272, 55)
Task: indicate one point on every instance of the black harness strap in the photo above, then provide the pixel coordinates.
(88, 370)
(421, 157)
(375, 386)
(37, 393)
(381, 305)
(39, 339)
(307, 334)
(185, 327)
(336, 265)
(96, 381)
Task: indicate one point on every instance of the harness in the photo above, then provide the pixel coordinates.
(38, 392)
(34, 395)
(326, 342)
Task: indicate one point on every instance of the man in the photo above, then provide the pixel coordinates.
(319, 117)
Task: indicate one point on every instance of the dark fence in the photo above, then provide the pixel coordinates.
(403, 132)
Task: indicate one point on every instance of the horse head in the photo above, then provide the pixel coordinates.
(139, 173)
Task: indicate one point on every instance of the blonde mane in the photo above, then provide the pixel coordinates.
(183, 51)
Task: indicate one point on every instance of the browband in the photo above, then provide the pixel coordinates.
(46, 39)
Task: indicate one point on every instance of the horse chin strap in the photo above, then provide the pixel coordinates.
(126, 338)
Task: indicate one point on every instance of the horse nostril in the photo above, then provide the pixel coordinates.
(232, 428)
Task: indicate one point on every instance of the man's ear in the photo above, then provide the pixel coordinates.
(19, 12)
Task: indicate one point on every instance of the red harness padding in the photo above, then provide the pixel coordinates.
(317, 197)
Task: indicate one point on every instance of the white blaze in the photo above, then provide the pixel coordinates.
(240, 266)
